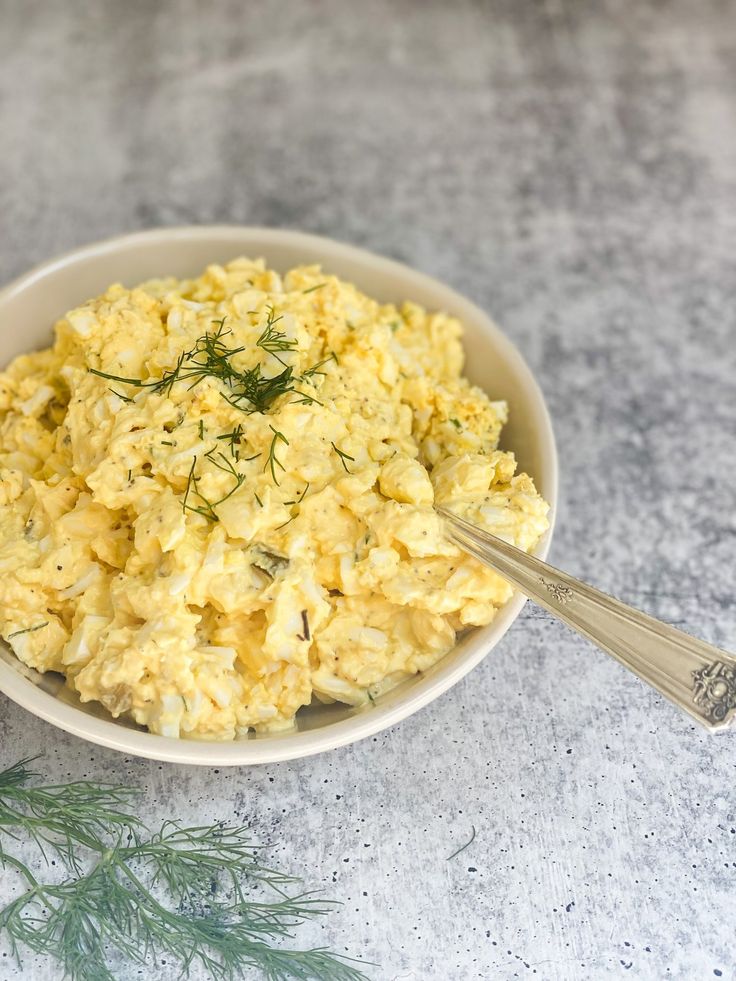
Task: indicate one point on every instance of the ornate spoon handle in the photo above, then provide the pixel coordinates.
(694, 675)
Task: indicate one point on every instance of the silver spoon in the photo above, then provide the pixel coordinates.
(697, 677)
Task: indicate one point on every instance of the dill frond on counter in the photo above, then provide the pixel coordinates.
(198, 895)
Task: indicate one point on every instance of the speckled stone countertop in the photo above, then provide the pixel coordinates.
(572, 169)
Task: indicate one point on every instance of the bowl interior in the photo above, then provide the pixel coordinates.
(30, 306)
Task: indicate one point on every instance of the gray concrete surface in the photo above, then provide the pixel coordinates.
(572, 168)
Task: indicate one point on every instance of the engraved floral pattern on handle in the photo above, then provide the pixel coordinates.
(557, 590)
(714, 689)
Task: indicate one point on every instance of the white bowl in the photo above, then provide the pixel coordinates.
(30, 306)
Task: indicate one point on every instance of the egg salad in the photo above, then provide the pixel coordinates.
(217, 498)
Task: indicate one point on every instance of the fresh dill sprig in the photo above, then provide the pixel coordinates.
(210, 357)
(300, 498)
(60, 817)
(297, 500)
(313, 288)
(275, 341)
(28, 630)
(315, 369)
(343, 457)
(305, 399)
(222, 463)
(233, 438)
(183, 892)
(125, 398)
(248, 390)
(207, 508)
(273, 461)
